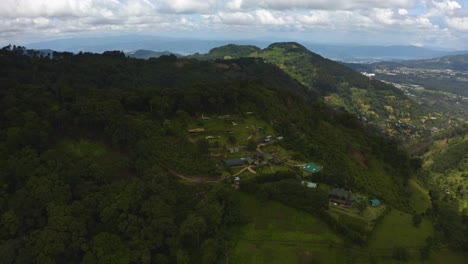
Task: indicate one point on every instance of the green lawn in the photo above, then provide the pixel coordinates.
(420, 200)
(275, 233)
(397, 229)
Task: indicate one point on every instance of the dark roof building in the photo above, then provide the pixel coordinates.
(341, 196)
(234, 162)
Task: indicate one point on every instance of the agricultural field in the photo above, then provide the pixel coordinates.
(352, 217)
(275, 233)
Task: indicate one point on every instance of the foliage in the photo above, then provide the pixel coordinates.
(400, 253)
(417, 219)
(230, 52)
(362, 206)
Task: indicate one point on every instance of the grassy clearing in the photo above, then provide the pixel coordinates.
(420, 200)
(397, 230)
(448, 256)
(241, 127)
(275, 233)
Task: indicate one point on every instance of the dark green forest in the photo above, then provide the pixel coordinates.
(86, 140)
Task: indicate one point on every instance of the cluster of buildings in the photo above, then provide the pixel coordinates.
(257, 159)
(346, 198)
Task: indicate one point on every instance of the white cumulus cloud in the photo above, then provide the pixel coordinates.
(319, 4)
(419, 21)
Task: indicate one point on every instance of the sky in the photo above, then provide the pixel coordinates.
(431, 23)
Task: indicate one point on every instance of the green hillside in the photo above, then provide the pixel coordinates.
(230, 51)
(445, 159)
(378, 104)
(110, 159)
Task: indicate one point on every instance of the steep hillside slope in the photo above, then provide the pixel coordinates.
(379, 104)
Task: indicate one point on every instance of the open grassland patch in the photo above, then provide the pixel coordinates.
(419, 200)
(275, 233)
(397, 230)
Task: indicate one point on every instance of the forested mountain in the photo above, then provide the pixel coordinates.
(88, 167)
(146, 54)
(445, 164)
(379, 104)
(99, 162)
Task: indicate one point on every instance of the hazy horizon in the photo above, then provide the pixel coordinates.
(441, 24)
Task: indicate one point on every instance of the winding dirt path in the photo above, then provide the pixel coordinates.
(192, 179)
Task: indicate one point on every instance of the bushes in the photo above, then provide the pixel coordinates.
(400, 253)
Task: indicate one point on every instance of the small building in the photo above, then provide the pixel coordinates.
(374, 202)
(235, 162)
(237, 180)
(276, 161)
(311, 168)
(233, 150)
(341, 196)
(309, 184)
(259, 156)
(196, 130)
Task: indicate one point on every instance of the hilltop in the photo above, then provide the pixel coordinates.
(376, 103)
(146, 54)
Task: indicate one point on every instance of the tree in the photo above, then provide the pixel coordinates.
(425, 252)
(193, 228)
(400, 253)
(232, 139)
(361, 206)
(107, 248)
(203, 146)
(251, 145)
(417, 219)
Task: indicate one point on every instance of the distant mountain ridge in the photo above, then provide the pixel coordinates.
(377, 53)
(129, 43)
(146, 54)
(186, 46)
